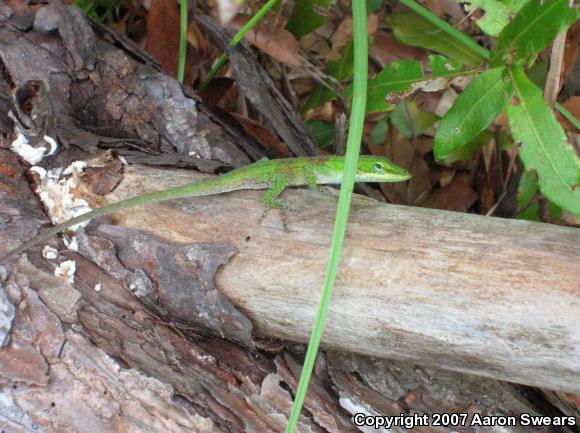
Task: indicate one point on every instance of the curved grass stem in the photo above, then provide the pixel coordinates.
(352, 151)
(567, 115)
(235, 40)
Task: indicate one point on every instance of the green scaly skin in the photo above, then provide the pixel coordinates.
(273, 175)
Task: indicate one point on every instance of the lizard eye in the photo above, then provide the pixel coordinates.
(379, 166)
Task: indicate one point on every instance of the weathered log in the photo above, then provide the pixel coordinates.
(488, 296)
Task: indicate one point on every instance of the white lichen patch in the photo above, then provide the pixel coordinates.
(71, 242)
(49, 252)
(55, 193)
(66, 271)
(33, 155)
(28, 153)
(52, 143)
(75, 169)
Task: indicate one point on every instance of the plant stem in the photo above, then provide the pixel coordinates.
(235, 40)
(352, 151)
(182, 41)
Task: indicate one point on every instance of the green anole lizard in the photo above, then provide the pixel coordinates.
(273, 175)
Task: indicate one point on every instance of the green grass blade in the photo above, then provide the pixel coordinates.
(235, 40)
(352, 151)
(567, 115)
(182, 41)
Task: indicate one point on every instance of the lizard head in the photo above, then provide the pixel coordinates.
(379, 169)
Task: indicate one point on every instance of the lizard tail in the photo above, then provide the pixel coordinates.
(204, 187)
(52, 231)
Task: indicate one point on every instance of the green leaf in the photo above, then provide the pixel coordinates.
(533, 29)
(472, 112)
(396, 77)
(319, 96)
(539, 72)
(495, 18)
(543, 145)
(465, 153)
(322, 132)
(443, 66)
(304, 19)
(410, 120)
(527, 189)
(514, 5)
(379, 133)
(374, 5)
(343, 68)
(409, 28)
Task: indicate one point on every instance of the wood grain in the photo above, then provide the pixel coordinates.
(488, 296)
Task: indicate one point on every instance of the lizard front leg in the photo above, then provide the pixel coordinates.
(310, 178)
(270, 197)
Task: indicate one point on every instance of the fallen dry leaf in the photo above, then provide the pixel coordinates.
(443, 8)
(571, 51)
(344, 34)
(455, 196)
(278, 43)
(196, 38)
(399, 150)
(216, 90)
(325, 112)
(262, 135)
(386, 49)
(421, 182)
(446, 102)
(163, 34)
(488, 153)
(502, 120)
